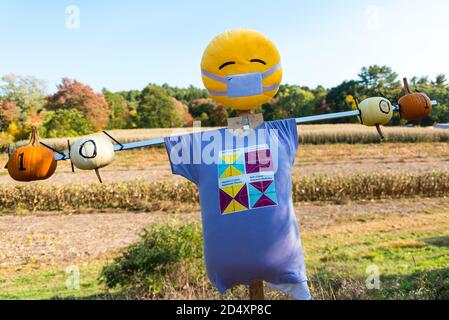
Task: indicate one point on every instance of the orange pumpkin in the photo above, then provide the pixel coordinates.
(33, 162)
(414, 105)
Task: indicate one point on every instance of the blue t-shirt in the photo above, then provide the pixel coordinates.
(245, 187)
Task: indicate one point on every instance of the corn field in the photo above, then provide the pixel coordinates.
(358, 134)
(141, 196)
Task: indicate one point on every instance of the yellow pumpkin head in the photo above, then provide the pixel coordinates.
(33, 162)
(241, 69)
(375, 111)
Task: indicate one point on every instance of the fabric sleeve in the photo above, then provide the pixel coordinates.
(182, 152)
(289, 135)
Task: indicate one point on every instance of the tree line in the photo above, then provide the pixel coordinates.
(75, 109)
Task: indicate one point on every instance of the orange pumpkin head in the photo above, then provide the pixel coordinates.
(33, 162)
(414, 105)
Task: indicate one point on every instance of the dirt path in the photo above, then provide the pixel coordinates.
(50, 238)
(53, 238)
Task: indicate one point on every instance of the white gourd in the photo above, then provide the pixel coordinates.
(375, 111)
(92, 153)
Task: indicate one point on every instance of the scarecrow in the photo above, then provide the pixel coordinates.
(243, 171)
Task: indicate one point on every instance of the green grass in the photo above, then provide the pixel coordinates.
(413, 264)
(50, 283)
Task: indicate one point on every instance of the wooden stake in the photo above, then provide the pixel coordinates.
(97, 171)
(379, 130)
(256, 291)
(406, 86)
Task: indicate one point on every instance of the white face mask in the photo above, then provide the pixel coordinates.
(243, 85)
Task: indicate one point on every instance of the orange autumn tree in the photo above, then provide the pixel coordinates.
(72, 94)
(8, 113)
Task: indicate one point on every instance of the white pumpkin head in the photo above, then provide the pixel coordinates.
(375, 111)
(92, 153)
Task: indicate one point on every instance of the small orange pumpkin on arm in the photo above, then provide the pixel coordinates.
(414, 105)
(32, 162)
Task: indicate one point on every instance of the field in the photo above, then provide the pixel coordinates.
(360, 204)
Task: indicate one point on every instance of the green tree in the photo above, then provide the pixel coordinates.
(319, 103)
(439, 91)
(272, 111)
(440, 80)
(336, 98)
(376, 80)
(185, 95)
(65, 123)
(156, 109)
(132, 98)
(295, 101)
(119, 111)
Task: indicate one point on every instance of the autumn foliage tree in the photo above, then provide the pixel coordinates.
(22, 101)
(72, 94)
(8, 112)
(181, 112)
(208, 112)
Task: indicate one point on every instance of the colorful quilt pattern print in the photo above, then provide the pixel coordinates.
(246, 179)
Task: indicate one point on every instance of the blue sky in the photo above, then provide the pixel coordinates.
(125, 45)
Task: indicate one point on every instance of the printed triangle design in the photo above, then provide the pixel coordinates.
(262, 185)
(235, 172)
(230, 159)
(272, 196)
(236, 189)
(254, 191)
(222, 169)
(238, 206)
(270, 189)
(225, 200)
(264, 201)
(227, 173)
(230, 208)
(229, 191)
(253, 199)
(242, 196)
(240, 160)
(238, 169)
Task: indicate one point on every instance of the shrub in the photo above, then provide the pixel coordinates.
(162, 250)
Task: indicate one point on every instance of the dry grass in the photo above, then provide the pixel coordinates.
(355, 134)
